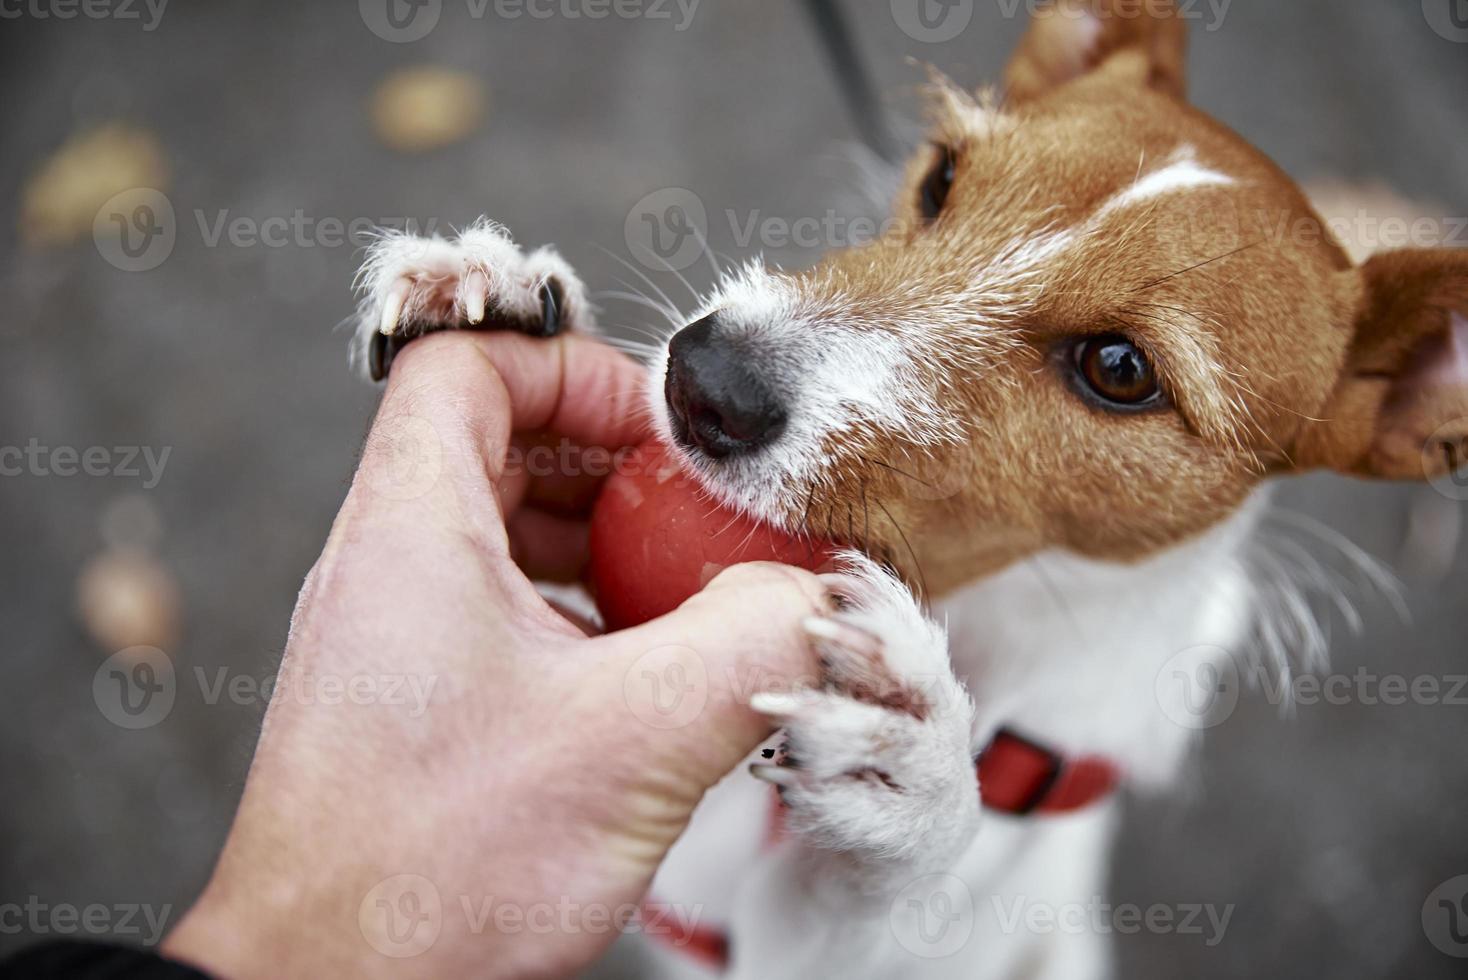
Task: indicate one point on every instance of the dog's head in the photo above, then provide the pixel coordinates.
(1099, 320)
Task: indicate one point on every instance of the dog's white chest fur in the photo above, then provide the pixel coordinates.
(1078, 654)
(1084, 655)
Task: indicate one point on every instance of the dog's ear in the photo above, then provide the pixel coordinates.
(1400, 408)
(1145, 42)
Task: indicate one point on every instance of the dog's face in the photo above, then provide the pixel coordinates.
(1098, 322)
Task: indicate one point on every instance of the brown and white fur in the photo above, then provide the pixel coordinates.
(1069, 549)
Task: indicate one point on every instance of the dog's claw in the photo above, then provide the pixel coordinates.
(775, 704)
(392, 307)
(773, 774)
(848, 589)
(551, 301)
(850, 637)
(476, 290)
(379, 356)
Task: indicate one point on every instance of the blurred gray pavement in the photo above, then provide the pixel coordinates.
(1326, 831)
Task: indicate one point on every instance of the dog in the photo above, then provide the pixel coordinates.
(1046, 405)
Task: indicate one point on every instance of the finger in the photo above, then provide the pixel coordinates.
(569, 494)
(588, 625)
(572, 385)
(548, 471)
(688, 677)
(432, 456)
(439, 441)
(548, 547)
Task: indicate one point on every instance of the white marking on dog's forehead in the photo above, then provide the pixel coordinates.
(987, 119)
(1025, 254)
(1182, 171)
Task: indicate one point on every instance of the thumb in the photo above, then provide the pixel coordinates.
(688, 676)
(437, 446)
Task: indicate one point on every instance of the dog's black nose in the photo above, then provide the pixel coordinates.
(717, 401)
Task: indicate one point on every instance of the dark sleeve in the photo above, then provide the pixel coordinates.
(64, 959)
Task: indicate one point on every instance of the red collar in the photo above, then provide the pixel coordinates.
(1020, 777)
(1016, 776)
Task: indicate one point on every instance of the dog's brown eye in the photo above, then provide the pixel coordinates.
(1117, 372)
(938, 183)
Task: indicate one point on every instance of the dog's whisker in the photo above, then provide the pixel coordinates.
(708, 252)
(651, 285)
(1199, 265)
(805, 517)
(917, 565)
(899, 472)
(866, 524)
(656, 335)
(640, 351)
(668, 266)
(669, 313)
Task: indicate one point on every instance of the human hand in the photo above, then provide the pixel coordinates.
(536, 772)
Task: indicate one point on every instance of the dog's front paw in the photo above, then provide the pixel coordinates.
(411, 286)
(877, 761)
